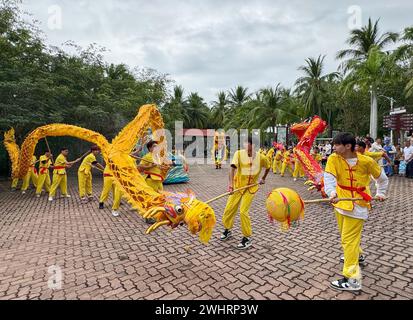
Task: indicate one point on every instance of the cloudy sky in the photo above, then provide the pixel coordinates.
(212, 45)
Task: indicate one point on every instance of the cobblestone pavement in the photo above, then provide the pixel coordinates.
(102, 257)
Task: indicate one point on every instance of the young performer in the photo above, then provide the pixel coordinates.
(298, 169)
(376, 156)
(85, 174)
(14, 184)
(150, 169)
(31, 175)
(347, 175)
(286, 164)
(108, 186)
(59, 174)
(246, 167)
(277, 164)
(44, 174)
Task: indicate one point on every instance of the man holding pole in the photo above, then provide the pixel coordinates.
(347, 175)
(44, 174)
(85, 174)
(246, 167)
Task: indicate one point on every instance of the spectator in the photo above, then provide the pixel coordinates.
(328, 149)
(376, 146)
(391, 152)
(397, 159)
(408, 158)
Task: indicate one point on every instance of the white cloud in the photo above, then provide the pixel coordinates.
(212, 45)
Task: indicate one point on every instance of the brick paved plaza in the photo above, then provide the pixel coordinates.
(102, 257)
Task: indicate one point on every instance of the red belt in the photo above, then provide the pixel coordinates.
(59, 168)
(44, 170)
(107, 175)
(360, 191)
(154, 174)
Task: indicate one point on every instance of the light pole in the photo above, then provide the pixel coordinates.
(392, 101)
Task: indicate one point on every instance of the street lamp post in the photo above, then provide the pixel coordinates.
(392, 101)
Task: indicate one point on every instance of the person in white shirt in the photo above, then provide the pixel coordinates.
(408, 158)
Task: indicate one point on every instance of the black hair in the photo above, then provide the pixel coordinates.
(150, 144)
(345, 138)
(361, 144)
(63, 149)
(94, 148)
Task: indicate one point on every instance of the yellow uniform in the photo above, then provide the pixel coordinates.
(352, 182)
(248, 171)
(44, 175)
(59, 176)
(108, 186)
(14, 183)
(298, 169)
(376, 156)
(153, 176)
(318, 157)
(31, 175)
(277, 163)
(85, 175)
(286, 164)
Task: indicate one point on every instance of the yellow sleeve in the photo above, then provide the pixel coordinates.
(374, 169)
(235, 159)
(265, 162)
(147, 157)
(331, 165)
(374, 155)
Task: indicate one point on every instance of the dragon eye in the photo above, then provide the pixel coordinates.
(179, 210)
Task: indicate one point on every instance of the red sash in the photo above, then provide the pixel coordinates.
(44, 170)
(360, 191)
(107, 175)
(153, 174)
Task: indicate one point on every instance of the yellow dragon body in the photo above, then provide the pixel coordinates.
(167, 208)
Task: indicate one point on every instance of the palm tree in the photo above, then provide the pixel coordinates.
(219, 110)
(371, 74)
(196, 112)
(362, 40)
(405, 53)
(238, 97)
(311, 87)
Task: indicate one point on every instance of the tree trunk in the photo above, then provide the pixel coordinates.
(373, 114)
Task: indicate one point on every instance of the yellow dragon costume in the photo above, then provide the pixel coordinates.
(168, 209)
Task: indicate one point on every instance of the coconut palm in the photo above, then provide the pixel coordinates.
(196, 112)
(312, 86)
(362, 40)
(220, 110)
(238, 96)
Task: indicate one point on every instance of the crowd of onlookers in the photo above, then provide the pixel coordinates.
(396, 159)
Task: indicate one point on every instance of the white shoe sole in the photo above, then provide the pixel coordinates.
(225, 239)
(345, 289)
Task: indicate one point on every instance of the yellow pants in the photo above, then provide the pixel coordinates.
(59, 180)
(154, 184)
(14, 183)
(43, 181)
(31, 175)
(298, 170)
(350, 232)
(276, 166)
(108, 186)
(85, 184)
(244, 202)
(285, 166)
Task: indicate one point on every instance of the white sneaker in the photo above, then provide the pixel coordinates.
(295, 179)
(115, 213)
(67, 196)
(37, 195)
(50, 198)
(23, 192)
(346, 285)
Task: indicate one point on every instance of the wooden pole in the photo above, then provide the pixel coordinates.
(339, 200)
(230, 193)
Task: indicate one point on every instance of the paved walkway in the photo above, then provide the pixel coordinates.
(102, 257)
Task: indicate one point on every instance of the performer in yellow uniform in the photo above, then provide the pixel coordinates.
(361, 148)
(44, 174)
(31, 175)
(84, 174)
(59, 174)
(108, 186)
(151, 171)
(298, 169)
(286, 164)
(317, 155)
(277, 163)
(246, 167)
(347, 175)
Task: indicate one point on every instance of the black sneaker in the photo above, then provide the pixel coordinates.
(226, 235)
(346, 285)
(362, 259)
(244, 244)
(101, 205)
(150, 220)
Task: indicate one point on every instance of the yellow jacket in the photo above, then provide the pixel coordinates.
(86, 165)
(154, 173)
(45, 164)
(60, 164)
(376, 156)
(352, 182)
(279, 156)
(248, 169)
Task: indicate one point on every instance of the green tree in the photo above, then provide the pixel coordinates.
(219, 110)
